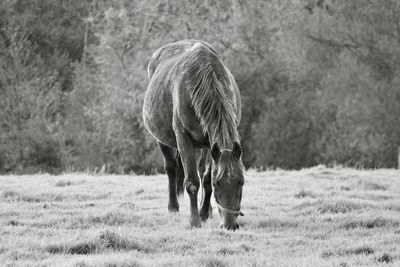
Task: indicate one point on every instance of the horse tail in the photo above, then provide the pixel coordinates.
(180, 175)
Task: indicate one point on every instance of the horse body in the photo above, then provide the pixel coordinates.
(166, 66)
(193, 102)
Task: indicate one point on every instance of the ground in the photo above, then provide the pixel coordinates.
(313, 217)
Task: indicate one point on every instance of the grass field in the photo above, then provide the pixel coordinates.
(313, 217)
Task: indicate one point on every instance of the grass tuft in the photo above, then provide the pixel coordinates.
(111, 218)
(370, 223)
(81, 248)
(385, 258)
(138, 192)
(212, 262)
(106, 240)
(276, 223)
(371, 186)
(341, 206)
(13, 223)
(15, 196)
(247, 248)
(63, 183)
(357, 251)
(363, 250)
(124, 264)
(81, 264)
(226, 251)
(11, 196)
(330, 206)
(116, 242)
(303, 194)
(327, 254)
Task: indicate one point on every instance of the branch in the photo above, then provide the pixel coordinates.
(354, 47)
(332, 43)
(120, 57)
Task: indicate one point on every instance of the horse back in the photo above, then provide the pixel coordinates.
(173, 51)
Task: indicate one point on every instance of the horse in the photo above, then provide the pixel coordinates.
(193, 103)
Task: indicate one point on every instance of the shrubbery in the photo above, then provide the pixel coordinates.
(319, 80)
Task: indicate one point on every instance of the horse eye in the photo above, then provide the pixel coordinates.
(241, 182)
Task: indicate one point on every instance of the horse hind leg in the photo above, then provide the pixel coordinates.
(170, 166)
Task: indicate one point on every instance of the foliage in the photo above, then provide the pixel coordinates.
(319, 80)
(29, 105)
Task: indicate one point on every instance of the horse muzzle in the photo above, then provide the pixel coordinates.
(232, 227)
(228, 217)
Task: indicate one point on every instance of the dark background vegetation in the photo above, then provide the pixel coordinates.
(320, 80)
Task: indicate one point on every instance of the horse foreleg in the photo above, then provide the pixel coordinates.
(187, 152)
(205, 208)
(170, 167)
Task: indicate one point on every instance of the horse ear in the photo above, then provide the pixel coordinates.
(215, 152)
(236, 150)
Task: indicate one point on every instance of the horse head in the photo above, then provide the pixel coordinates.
(227, 181)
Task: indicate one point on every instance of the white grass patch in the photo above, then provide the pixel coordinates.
(313, 217)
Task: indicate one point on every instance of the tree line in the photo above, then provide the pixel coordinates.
(319, 80)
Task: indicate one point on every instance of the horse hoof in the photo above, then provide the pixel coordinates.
(173, 207)
(173, 210)
(195, 225)
(195, 222)
(204, 217)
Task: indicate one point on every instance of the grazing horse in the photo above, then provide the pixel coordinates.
(192, 102)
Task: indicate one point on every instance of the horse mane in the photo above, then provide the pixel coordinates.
(205, 79)
(228, 167)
